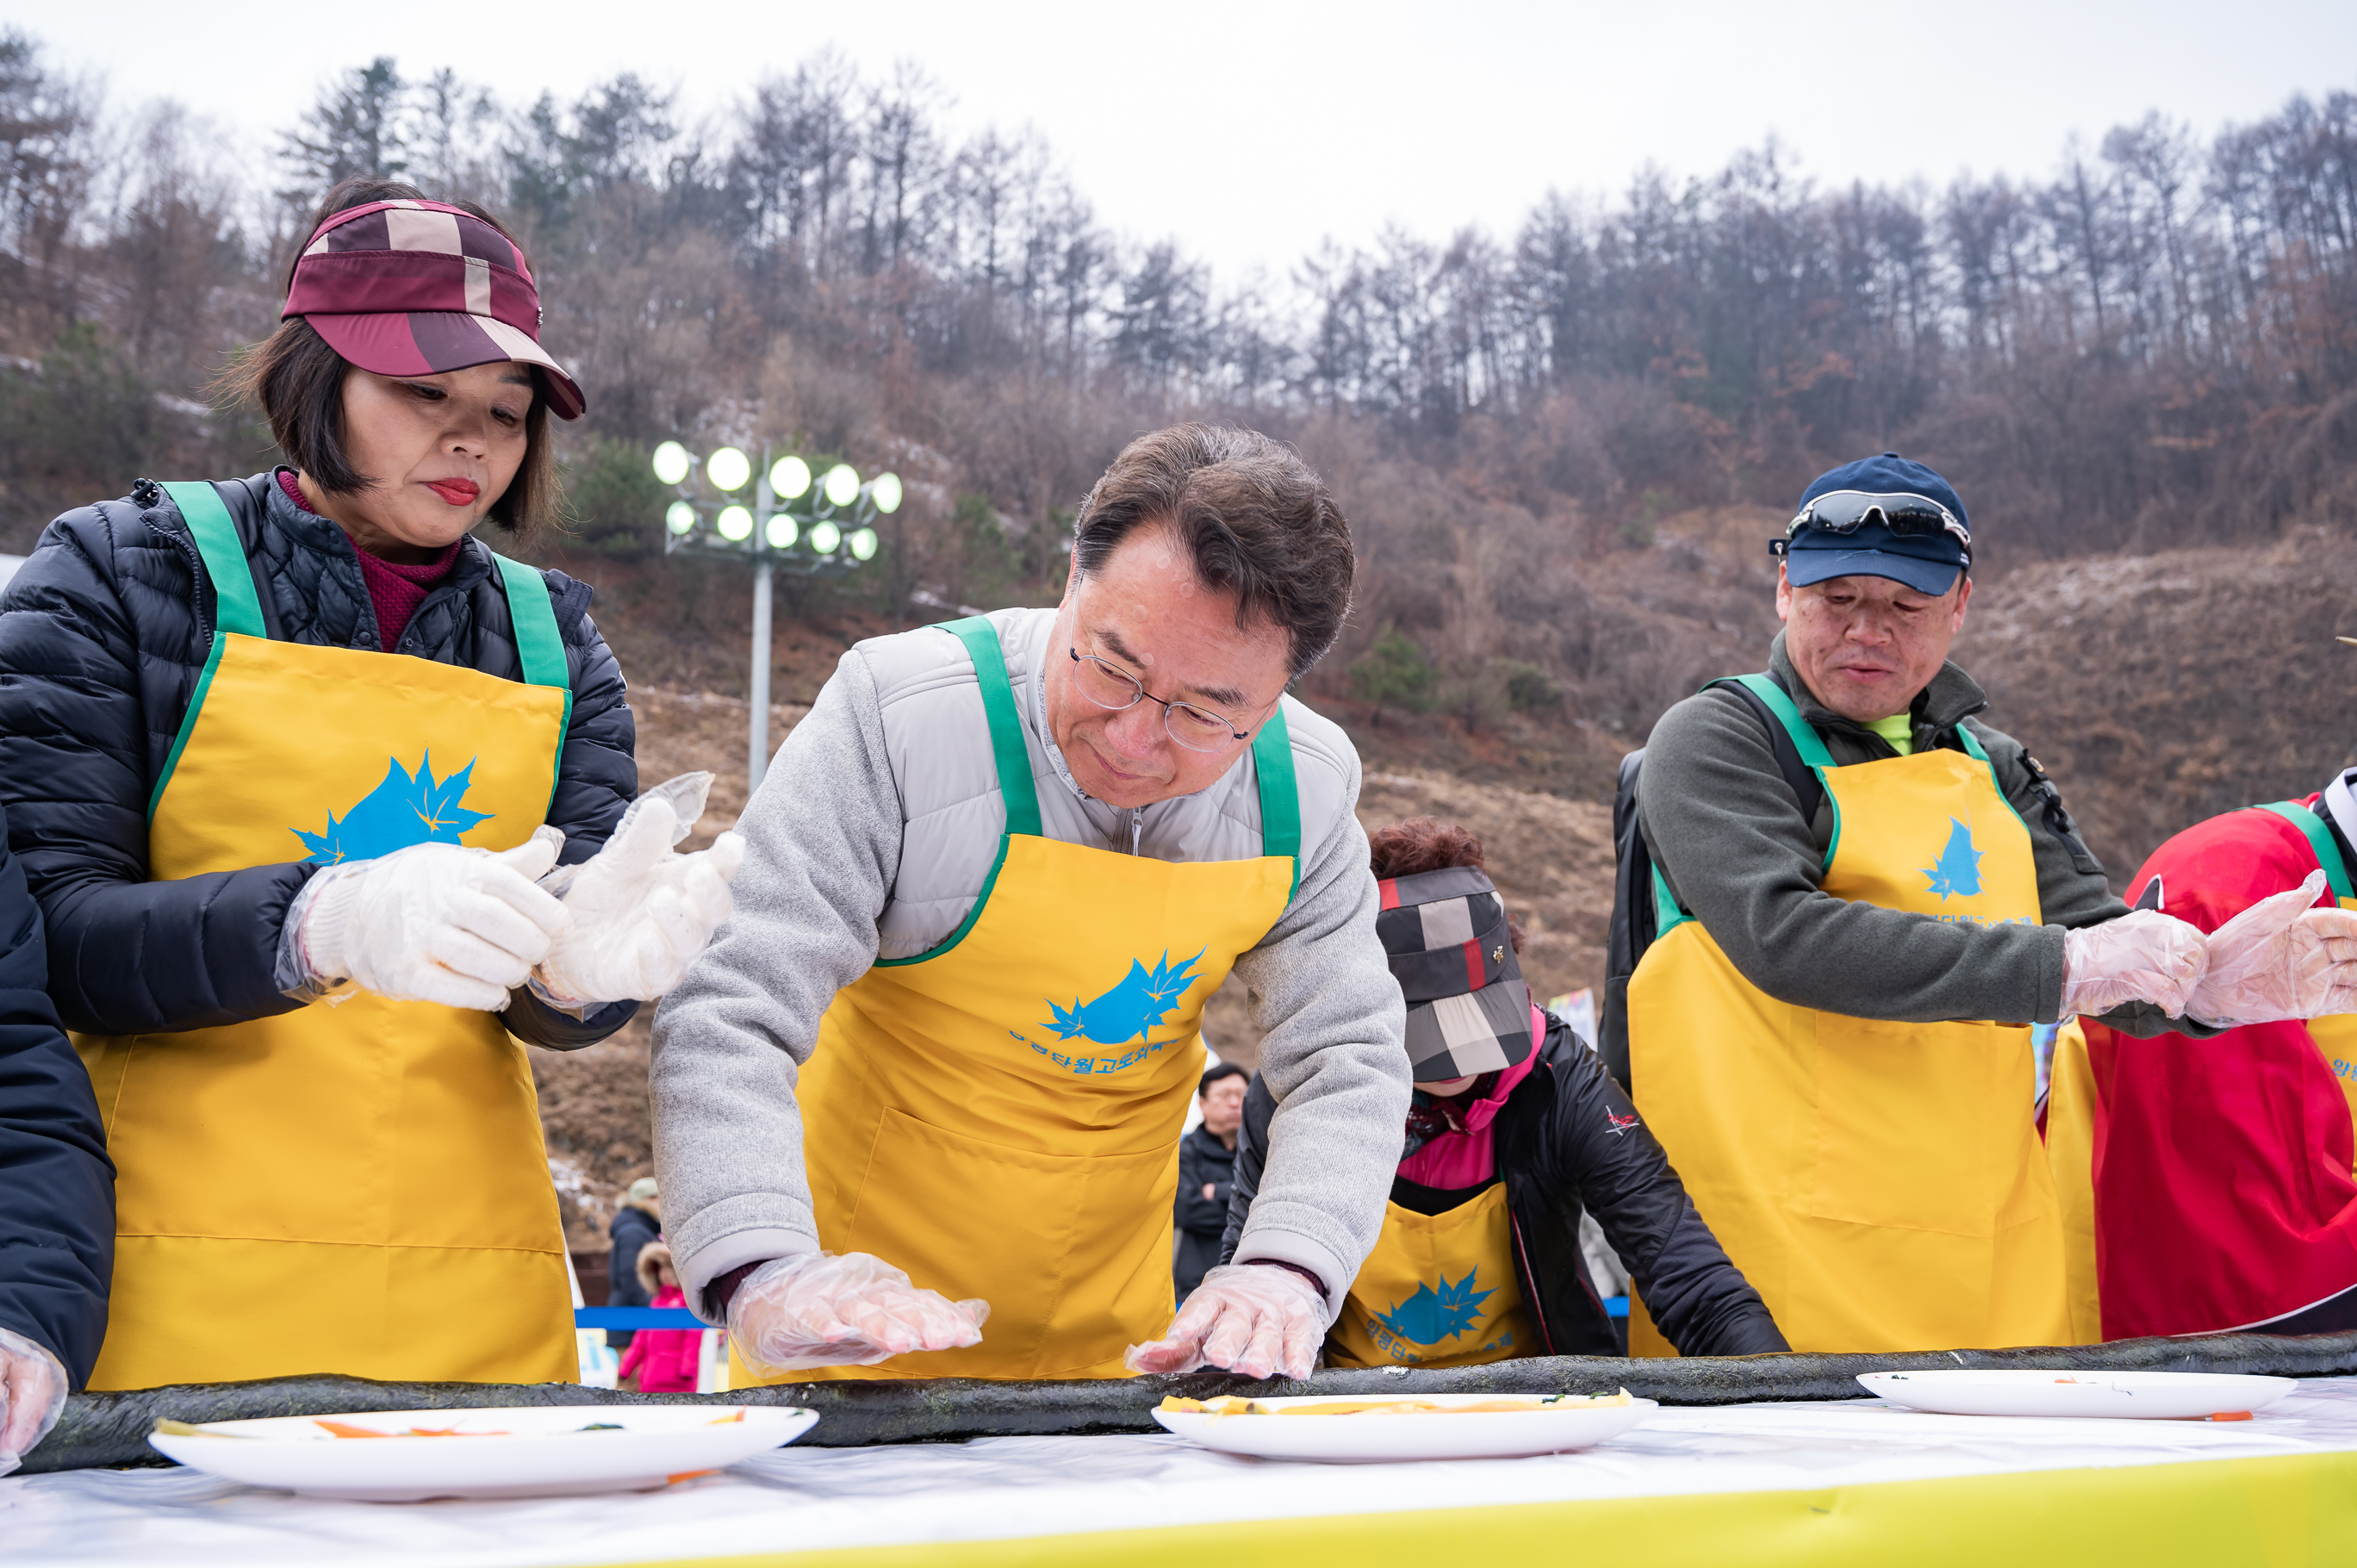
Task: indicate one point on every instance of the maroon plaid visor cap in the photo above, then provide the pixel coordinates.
(415, 288)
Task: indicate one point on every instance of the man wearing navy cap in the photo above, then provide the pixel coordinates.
(1863, 897)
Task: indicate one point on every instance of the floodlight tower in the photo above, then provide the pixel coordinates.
(809, 525)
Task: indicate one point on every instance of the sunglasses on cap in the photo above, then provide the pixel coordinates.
(1905, 514)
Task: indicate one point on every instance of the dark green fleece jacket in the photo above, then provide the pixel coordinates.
(1725, 830)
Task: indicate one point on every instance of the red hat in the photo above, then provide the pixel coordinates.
(411, 288)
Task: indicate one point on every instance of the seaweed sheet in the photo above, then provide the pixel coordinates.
(111, 1429)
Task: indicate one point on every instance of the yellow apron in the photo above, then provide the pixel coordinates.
(2071, 1095)
(1439, 1290)
(355, 1187)
(1881, 1184)
(1000, 1117)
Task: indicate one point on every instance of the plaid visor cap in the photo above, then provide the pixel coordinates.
(1468, 1009)
(415, 288)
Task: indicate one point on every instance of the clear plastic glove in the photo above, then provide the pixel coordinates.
(640, 914)
(853, 1309)
(32, 1391)
(1247, 1317)
(2280, 959)
(434, 922)
(2143, 956)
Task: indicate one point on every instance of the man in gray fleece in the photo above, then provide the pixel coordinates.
(917, 1109)
(1866, 895)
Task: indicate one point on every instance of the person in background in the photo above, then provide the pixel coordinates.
(938, 1065)
(289, 761)
(1514, 1130)
(56, 1190)
(1864, 897)
(1207, 1169)
(662, 1360)
(637, 1220)
(2222, 1197)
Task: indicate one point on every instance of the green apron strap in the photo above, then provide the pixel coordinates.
(2319, 839)
(538, 642)
(1668, 914)
(540, 647)
(236, 606)
(1806, 739)
(1015, 785)
(1280, 795)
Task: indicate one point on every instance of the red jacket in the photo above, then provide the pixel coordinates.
(664, 1358)
(2223, 1192)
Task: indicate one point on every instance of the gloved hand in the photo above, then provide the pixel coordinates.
(32, 1391)
(2280, 959)
(1247, 1317)
(639, 913)
(434, 922)
(825, 1309)
(2143, 956)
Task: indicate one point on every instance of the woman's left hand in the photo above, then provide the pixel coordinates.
(32, 1391)
(639, 913)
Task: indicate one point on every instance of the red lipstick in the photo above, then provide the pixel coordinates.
(457, 492)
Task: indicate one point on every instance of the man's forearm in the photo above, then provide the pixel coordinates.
(823, 839)
(1335, 1061)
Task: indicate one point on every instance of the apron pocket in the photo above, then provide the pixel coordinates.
(1919, 1126)
(1072, 1252)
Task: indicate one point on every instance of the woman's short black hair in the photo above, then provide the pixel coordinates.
(298, 382)
(1217, 1072)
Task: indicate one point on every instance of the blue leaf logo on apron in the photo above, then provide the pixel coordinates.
(1144, 998)
(1430, 1316)
(1958, 869)
(406, 809)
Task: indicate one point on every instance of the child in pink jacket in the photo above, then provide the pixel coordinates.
(662, 1360)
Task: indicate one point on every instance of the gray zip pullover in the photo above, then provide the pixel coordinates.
(872, 835)
(1724, 827)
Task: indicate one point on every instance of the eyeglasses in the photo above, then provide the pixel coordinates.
(1110, 686)
(1845, 511)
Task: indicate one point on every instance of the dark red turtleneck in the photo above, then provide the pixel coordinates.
(395, 588)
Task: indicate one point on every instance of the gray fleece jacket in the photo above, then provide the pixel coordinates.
(872, 835)
(1725, 830)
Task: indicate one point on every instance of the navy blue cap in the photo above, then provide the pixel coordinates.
(1928, 564)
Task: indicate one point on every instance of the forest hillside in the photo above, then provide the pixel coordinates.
(1563, 448)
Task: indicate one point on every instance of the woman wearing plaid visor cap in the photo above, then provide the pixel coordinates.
(1514, 1128)
(291, 762)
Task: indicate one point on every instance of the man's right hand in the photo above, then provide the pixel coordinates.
(853, 1309)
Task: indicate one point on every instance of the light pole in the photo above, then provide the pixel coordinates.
(809, 525)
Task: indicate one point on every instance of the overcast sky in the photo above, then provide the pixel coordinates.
(1250, 132)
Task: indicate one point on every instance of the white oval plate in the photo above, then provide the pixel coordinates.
(1489, 1434)
(531, 1452)
(2149, 1396)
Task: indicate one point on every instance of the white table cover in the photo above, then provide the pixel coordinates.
(1014, 1487)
